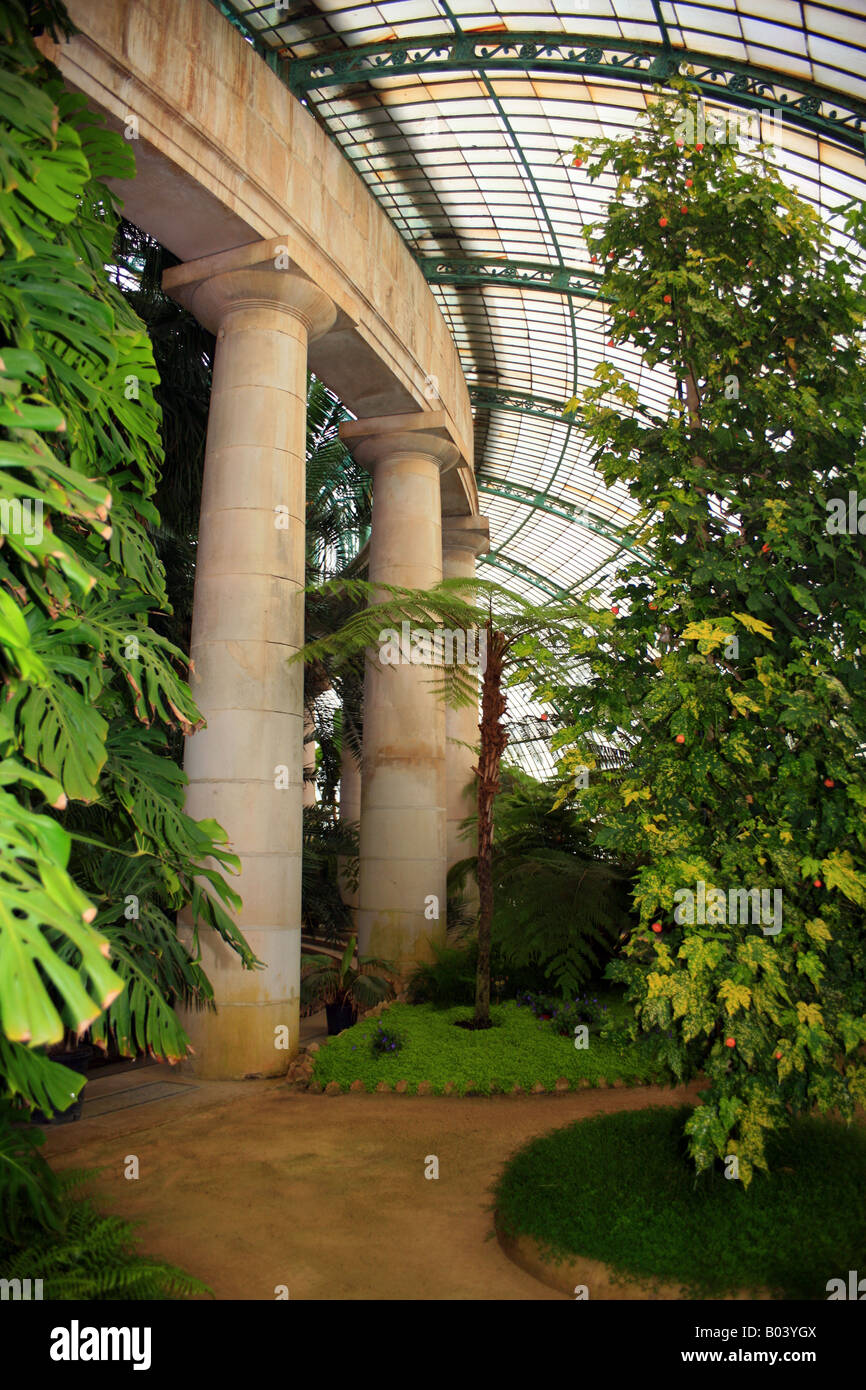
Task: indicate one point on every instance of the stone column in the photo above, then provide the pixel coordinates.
(463, 538)
(244, 769)
(402, 849)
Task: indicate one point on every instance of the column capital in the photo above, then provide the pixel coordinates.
(259, 275)
(427, 432)
(466, 533)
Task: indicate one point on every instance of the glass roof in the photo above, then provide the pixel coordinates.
(461, 141)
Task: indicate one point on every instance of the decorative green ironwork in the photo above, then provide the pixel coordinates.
(566, 511)
(526, 275)
(815, 108)
(496, 398)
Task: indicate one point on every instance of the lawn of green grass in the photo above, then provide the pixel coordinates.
(519, 1050)
(621, 1189)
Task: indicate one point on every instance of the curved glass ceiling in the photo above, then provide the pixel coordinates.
(456, 114)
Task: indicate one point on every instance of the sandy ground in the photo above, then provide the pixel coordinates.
(249, 1185)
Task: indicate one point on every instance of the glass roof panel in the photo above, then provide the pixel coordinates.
(467, 161)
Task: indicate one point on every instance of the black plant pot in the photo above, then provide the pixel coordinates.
(340, 1016)
(76, 1060)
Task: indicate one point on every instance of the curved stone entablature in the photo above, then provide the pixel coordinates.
(227, 157)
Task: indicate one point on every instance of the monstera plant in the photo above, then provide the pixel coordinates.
(96, 851)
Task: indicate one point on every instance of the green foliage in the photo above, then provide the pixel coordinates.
(330, 854)
(746, 767)
(621, 1189)
(91, 808)
(560, 902)
(448, 979)
(89, 1256)
(537, 637)
(29, 1190)
(517, 1049)
(565, 1015)
(339, 490)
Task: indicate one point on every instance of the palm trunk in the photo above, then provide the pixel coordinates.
(493, 741)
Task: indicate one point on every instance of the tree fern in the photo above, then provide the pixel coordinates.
(558, 901)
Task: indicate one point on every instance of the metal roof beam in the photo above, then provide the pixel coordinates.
(524, 275)
(566, 511)
(813, 107)
(529, 576)
(523, 402)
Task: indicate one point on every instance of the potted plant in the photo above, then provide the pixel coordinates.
(343, 988)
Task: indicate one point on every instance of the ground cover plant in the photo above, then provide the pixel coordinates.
(731, 670)
(517, 1050)
(649, 1216)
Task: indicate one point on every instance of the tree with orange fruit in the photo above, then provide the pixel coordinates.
(734, 670)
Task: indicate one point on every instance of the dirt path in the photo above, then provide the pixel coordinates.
(249, 1186)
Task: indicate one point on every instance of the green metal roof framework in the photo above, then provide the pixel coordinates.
(807, 104)
(556, 279)
(459, 116)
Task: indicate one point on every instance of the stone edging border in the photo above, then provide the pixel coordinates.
(300, 1077)
(596, 1277)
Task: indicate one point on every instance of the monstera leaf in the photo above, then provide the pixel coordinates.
(38, 903)
(61, 732)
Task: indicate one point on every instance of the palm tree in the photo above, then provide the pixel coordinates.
(343, 987)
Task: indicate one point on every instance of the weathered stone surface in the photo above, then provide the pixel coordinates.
(316, 1087)
(562, 1083)
(539, 1088)
(402, 1086)
(425, 1088)
(333, 1088)
(313, 1049)
(357, 1085)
